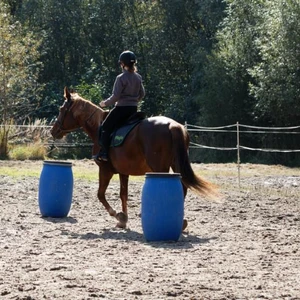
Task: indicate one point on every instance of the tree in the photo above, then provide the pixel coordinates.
(19, 69)
(277, 75)
(18, 74)
(81, 42)
(177, 30)
(224, 97)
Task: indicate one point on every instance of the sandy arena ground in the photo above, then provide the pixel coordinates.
(246, 247)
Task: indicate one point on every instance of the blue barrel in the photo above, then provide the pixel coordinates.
(55, 189)
(162, 207)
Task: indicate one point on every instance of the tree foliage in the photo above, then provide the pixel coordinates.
(83, 39)
(276, 75)
(252, 74)
(19, 67)
(212, 62)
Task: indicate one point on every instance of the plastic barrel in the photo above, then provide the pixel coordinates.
(55, 189)
(162, 207)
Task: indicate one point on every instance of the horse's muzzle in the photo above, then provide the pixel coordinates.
(56, 132)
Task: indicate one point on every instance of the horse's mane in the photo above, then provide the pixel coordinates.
(90, 109)
(76, 97)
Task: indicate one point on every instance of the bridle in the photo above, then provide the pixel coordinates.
(67, 107)
(60, 123)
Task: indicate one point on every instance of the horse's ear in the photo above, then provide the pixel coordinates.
(67, 94)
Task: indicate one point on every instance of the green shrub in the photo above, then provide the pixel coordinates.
(34, 151)
(4, 132)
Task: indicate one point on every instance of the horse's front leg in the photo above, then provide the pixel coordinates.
(123, 216)
(104, 178)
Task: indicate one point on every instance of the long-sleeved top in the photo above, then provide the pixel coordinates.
(128, 90)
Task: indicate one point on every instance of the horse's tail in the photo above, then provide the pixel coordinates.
(181, 164)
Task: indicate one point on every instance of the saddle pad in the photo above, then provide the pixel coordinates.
(120, 134)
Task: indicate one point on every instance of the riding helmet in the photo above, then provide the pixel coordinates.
(127, 57)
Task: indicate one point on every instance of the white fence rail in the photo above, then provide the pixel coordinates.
(238, 129)
(22, 130)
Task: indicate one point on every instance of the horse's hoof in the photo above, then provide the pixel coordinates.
(121, 225)
(184, 225)
(122, 218)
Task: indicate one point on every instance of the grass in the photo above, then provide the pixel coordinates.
(85, 170)
(82, 169)
(88, 170)
(16, 171)
(19, 172)
(225, 176)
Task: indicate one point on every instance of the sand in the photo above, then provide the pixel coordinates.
(245, 247)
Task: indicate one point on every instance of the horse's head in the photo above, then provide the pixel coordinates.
(65, 122)
(75, 113)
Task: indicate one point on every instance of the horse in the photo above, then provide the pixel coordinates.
(156, 144)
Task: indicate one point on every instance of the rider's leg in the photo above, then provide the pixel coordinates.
(116, 117)
(105, 141)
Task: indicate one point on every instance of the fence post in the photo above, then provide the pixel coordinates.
(238, 152)
(186, 128)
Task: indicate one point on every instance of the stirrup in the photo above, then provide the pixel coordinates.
(100, 156)
(103, 156)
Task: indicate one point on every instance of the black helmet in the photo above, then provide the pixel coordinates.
(127, 57)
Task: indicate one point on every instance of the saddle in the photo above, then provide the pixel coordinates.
(119, 135)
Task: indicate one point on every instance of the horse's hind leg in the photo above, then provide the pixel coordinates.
(122, 217)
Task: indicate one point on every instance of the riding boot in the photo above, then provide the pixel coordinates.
(104, 141)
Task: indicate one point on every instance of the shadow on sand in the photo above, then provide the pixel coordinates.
(60, 220)
(185, 240)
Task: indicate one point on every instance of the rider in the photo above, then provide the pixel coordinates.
(128, 90)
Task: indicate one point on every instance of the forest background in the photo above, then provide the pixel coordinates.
(204, 62)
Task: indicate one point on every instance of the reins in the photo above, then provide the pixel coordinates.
(96, 109)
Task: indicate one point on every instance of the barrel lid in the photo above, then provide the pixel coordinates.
(57, 163)
(162, 174)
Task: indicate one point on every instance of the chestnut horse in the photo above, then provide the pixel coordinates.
(154, 145)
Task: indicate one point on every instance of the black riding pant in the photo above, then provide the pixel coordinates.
(116, 118)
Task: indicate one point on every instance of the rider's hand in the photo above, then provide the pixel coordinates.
(102, 104)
